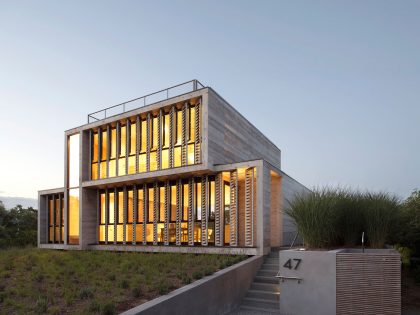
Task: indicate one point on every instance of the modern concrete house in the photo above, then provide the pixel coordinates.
(179, 170)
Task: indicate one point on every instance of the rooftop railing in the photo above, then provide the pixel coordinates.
(145, 100)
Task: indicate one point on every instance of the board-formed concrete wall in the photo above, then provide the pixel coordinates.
(289, 189)
(232, 138)
(220, 293)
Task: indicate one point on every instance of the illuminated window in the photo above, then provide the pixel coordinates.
(73, 216)
(143, 147)
(133, 133)
(103, 207)
(73, 160)
(111, 208)
(178, 127)
(162, 204)
(192, 124)
(123, 141)
(140, 210)
(112, 172)
(120, 207)
(212, 203)
(130, 201)
(94, 174)
(226, 193)
(104, 145)
(151, 198)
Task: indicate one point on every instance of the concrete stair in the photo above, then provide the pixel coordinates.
(264, 294)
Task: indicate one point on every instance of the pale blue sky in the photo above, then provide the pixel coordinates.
(334, 84)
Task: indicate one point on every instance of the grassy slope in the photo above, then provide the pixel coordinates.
(57, 282)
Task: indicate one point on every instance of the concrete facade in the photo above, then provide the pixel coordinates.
(229, 188)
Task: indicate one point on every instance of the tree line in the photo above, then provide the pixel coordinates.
(18, 226)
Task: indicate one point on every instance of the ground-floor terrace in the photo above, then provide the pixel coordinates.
(234, 210)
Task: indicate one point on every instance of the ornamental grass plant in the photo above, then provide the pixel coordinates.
(336, 217)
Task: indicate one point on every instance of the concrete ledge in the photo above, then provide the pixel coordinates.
(249, 251)
(59, 246)
(219, 293)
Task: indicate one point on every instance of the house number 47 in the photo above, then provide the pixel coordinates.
(292, 263)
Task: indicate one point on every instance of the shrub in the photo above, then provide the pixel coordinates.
(136, 292)
(407, 230)
(337, 217)
(108, 309)
(41, 304)
(94, 307)
(85, 293)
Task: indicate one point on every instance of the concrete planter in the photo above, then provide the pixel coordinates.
(344, 281)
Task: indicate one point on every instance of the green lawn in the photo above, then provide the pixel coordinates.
(94, 282)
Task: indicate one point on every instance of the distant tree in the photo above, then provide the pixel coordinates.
(18, 226)
(408, 227)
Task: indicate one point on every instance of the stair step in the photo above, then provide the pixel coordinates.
(258, 310)
(265, 287)
(269, 260)
(270, 267)
(266, 295)
(263, 303)
(265, 279)
(267, 273)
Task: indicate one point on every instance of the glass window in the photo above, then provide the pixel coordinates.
(162, 204)
(140, 209)
(73, 160)
(95, 147)
(57, 210)
(104, 144)
(142, 162)
(120, 207)
(212, 200)
(121, 166)
(165, 158)
(178, 127)
(111, 208)
(73, 216)
(133, 133)
(192, 124)
(154, 133)
(151, 198)
(198, 202)
(185, 203)
(113, 143)
(173, 204)
(103, 170)
(123, 141)
(103, 207)
(165, 130)
(143, 136)
(94, 171)
(112, 168)
(153, 161)
(177, 156)
(226, 198)
(130, 207)
(190, 154)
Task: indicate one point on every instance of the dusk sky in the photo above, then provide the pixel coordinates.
(334, 84)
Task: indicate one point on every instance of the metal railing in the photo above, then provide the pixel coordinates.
(145, 100)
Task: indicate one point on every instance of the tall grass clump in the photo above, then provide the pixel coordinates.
(331, 217)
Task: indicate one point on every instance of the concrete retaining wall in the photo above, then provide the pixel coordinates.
(219, 293)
